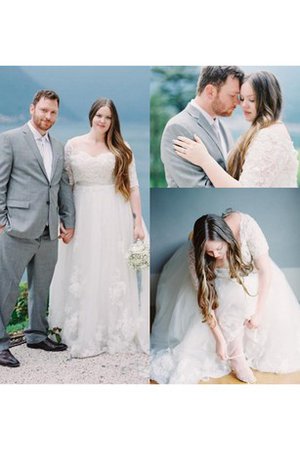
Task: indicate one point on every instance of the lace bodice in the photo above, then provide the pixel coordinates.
(83, 168)
(252, 241)
(271, 160)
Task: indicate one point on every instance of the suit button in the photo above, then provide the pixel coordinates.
(48, 203)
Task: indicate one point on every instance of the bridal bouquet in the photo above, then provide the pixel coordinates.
(138, 256)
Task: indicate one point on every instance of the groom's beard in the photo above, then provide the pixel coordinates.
(220, 108)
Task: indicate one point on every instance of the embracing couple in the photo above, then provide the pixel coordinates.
(197, 150)
(94, 296)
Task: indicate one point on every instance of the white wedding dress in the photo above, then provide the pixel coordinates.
(184, 348)
(98, 301)
(271, 160)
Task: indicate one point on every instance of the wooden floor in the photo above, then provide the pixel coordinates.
(262, 378)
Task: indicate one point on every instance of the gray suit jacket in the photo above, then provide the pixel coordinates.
(28, 200)
(178, 171)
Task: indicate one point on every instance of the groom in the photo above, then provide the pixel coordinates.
(34, 192)
(217, 95)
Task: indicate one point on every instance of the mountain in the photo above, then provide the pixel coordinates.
(80, 86)
(17, 89)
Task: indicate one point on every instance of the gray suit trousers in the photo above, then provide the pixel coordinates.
(39, 256)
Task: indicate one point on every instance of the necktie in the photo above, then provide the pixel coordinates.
(221, 142)
(216, 130)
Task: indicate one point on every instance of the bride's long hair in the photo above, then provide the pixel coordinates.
(116, 145)
(268, 102)
(211, 227)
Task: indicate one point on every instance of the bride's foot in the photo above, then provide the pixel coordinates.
(242, 370)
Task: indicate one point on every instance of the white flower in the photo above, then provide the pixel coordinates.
(138, 256)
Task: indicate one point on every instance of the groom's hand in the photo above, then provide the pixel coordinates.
(192, 150)
(66, 234)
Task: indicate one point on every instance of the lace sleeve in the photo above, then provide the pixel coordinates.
(267, 155)
(68, 168)
(191, 260)
(256, 241)
(132, 174)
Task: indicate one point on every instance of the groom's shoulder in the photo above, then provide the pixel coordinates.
(12, 132)
(180, 119)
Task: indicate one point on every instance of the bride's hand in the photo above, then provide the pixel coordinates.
(254, 321)
(138, 232)
(191, 150)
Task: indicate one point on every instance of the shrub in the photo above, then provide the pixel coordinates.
(20, 313)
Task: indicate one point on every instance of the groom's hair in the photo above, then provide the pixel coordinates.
(51, 95)
(217, 76)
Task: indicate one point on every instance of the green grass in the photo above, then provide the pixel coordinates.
(17, 327)
(19, 318)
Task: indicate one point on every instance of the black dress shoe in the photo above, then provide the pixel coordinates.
(8, 359)
(49, 346)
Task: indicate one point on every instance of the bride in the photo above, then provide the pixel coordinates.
(95, 297)
(223, 305)
(264, 156)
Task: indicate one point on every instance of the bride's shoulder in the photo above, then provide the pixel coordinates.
(233, 216)
(233, 220)
(75, 143)
(248, 224)
(274, 131)
(77, 140)
(240, 222)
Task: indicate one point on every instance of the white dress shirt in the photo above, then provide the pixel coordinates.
(44, 145)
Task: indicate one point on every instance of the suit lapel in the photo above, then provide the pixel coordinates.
(203, 123)
(34, 148)
(55, 154)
